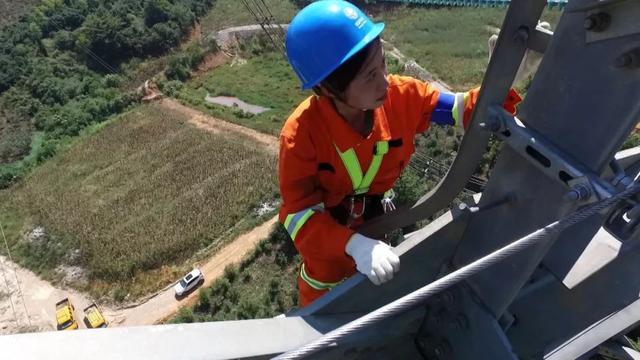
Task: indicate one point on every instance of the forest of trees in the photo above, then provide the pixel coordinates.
(60, 68)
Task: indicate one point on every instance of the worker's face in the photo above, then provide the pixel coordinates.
(368, 89)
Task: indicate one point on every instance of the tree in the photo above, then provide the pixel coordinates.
(156, 11)
(64, 40)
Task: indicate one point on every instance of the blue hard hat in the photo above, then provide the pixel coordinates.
(324, 35)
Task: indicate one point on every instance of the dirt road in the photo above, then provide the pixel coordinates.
(164, 304)
(209, 123)
(40, 296)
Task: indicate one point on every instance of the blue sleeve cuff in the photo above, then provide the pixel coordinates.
(442, 114)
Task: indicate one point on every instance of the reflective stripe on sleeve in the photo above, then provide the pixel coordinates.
(316, 284)
(294, 222)
(458, 109)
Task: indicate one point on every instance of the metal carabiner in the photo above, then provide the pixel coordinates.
(351, 210)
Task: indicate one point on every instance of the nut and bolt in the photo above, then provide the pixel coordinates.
(460, 322)
(597, 22)
(522, 35)
(442, 350)
(578, 192)
(490, 125)
(435, 348)
(630, 59)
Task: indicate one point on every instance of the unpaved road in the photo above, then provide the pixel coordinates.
(40, 296)
(164, 304)
(209, 123)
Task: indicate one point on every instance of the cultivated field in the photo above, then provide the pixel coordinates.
(149, 189)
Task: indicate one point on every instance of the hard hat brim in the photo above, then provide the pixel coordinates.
(375, 32)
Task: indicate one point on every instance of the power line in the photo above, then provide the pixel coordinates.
(264, 18)
(272, 20)
(94, 56)
(426, 161)
(426, 165)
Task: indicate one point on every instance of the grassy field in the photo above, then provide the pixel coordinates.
(449, 42)
(265, 80)
(146, 190)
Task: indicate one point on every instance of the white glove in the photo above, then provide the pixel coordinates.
(531, 59)
(373, 258)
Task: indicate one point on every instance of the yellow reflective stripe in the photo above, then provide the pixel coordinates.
(382, 147)
(351, 163)
(295, 221)
(359, 182)
(301, 222)
(318, 285)
(288, 220)
(457, 112)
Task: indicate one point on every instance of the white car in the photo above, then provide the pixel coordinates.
(188, 282)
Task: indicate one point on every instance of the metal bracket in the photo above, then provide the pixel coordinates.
(584, 185)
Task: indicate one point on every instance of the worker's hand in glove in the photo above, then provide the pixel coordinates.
(373, 258)
(531, 59)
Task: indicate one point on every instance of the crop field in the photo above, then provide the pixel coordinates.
(147, 190)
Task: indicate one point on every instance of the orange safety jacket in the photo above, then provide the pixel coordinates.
(323, 161)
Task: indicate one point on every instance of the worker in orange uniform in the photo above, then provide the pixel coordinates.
(342, 150)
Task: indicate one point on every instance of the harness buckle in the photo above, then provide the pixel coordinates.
(353, 212)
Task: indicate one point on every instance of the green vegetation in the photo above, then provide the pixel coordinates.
(61, 68)
(228, 13)
(455, 52)
(265, 79)
(264, 285)
(181, 64)
(146, 190)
